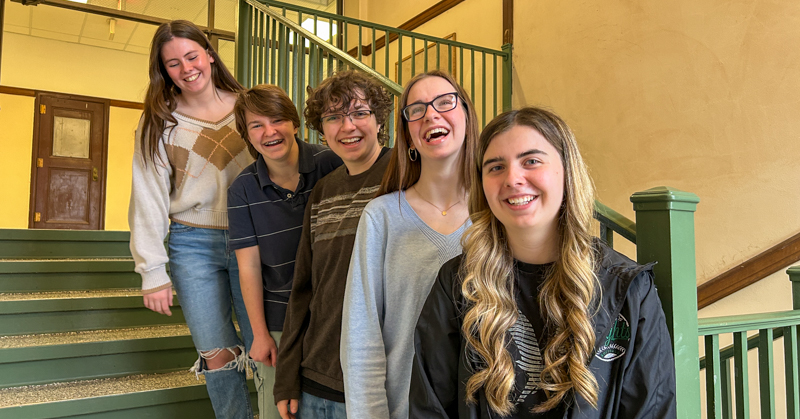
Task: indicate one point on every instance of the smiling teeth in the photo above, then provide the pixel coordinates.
(521, 200)
(349, 140)
(273, 142)
(435, 131)
(192, 78)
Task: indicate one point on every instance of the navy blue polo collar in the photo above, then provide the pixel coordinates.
(305, 163)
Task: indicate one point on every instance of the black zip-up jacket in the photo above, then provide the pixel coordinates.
(633, 361)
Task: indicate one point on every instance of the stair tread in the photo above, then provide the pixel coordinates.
(69, 295)
(48, 393)
(104, 335)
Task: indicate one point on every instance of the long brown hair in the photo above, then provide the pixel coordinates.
(568, 292)
(402, 173)
(162, 93)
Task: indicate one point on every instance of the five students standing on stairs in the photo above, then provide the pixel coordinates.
(355, 286)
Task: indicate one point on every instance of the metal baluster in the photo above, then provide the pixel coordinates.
(374, 53)
(424, 56)
(725, 388)
(399, 59)
(438, 58)
(790, 354)
(741, 375)
(483, 89)
(472, 76)
(386, 54)
(360, 44)
(274, 53)
(766, 373)
(713, 390)
(494, 84)
(413, 56)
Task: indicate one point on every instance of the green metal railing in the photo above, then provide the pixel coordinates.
(294, 47)
(727, 373)
(613, 222)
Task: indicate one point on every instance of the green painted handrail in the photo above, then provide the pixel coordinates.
(745, 322)
(391, 86)
(615, 221)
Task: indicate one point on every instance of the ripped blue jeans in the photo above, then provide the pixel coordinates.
(206, 278)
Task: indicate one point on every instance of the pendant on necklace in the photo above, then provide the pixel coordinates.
(444, 212)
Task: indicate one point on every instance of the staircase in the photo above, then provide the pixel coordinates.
(76, 340)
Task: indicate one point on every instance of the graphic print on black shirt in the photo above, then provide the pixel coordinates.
(530, 358)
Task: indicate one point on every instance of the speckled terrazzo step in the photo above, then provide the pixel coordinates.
(48, 358)
(29, 275)
(171, 395)
(177, 394)
(69, 311)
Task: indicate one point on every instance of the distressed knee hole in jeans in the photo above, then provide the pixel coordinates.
(238, 363)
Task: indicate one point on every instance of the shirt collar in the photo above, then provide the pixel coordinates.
(305, 158)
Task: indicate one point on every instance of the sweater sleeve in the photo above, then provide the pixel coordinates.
(290, 351)
(148, 216)
(437, 343)
(362, 350)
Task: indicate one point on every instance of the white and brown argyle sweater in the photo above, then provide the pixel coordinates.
(188, 185)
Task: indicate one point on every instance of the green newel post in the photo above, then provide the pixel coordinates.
(243, 31)
(507, 76)
(794, 276)
(665, 234)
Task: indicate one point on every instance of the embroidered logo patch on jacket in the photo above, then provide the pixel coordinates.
(616, 343)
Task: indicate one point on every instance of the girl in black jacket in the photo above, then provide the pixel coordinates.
(537, 319)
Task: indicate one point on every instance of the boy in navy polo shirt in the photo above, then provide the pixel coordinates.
(266, 204)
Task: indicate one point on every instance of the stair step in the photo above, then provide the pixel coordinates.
(25, 275)
(170, 395)
(68, 311)
(47, 358)
(19, 243)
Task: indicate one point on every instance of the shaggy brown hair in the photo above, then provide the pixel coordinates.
(336, 93)
(265, 100)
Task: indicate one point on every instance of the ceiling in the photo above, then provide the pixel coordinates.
(90, 29)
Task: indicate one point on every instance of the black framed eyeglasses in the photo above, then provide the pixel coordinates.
(355, 117)
(442, 103)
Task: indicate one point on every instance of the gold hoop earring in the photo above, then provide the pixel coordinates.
(413, 154)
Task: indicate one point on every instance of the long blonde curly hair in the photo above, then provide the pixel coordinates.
(567, 294)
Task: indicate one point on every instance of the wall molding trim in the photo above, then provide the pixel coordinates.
(749, 272)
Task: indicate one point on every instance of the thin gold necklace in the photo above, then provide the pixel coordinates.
(444, 212)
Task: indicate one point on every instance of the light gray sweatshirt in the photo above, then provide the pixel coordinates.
(394, 264)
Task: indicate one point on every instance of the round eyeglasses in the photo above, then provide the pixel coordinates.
(442, 103)
(355, 117)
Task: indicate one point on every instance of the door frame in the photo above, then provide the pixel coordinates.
(104, 160)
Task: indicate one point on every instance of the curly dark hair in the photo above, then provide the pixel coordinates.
(335, 93)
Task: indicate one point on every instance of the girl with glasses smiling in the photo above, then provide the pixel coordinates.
(404, 236)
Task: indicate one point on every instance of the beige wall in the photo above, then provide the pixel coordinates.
(65, 67)
(122, 127)
(42, 64)
(701, 96)
(16, 118)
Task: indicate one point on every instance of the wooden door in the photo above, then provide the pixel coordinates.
(69, 158)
